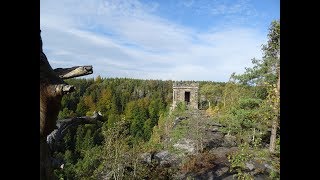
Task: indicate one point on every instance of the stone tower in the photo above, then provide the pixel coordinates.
(187, 92)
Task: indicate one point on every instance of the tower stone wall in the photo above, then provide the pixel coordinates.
(184, 91)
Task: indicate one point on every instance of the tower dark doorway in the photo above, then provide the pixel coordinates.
(187, 97)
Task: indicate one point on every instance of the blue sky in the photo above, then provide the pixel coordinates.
(157, 39)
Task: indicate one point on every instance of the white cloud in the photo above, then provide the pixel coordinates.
(188, 3)
(124, 39)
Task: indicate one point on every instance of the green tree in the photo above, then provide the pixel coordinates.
(212, 93)
(66, 113)
(156, 106)
(267, 72)
(98, 80)
(105, 101)
(147, 129)
(137, 114)
(112, 119)
(89, 102)
(82, 108)
(79, 139)
(85, 168)
(114, 151)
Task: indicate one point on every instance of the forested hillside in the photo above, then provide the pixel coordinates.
(138, 104)
(138, 125)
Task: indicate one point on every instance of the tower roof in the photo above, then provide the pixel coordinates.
(187, 84)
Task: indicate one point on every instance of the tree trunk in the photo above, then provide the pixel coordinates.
(52, 88)
(56, 136)
(276, 120)
(77, 71)
(46, 170)
(273, 135)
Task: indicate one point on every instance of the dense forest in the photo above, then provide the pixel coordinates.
(137, 119)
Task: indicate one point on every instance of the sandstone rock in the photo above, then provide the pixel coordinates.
(178, 120)
(250, 166)
(269, 168)
(213, 140)
(164, 158)
(221, 171)
(221, 152)
(146, 157)
(230, 177)
(229, 141)
(185, 145)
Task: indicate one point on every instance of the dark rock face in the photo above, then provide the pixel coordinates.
(164, 158)
(186, 145)
(146, 158)
(213, 140)
(229, 141)
(258, 168)
(178, 120)
(216, 143)
(222, 152)
(221, 171)
(217, 173)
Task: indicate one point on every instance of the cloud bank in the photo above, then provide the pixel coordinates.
(123, 38)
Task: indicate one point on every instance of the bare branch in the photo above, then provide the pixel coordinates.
(77, 71)
(61, 89)
(64, 124)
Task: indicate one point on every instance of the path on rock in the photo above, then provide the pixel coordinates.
(197, 127)
(195, 147)
(195, 133)
(199, 133)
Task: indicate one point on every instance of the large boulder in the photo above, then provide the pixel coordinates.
(178, 120)
(186, 145)
(146, 158)
(229, 141)
(213, 139)
(221, 171)
(164, 158)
